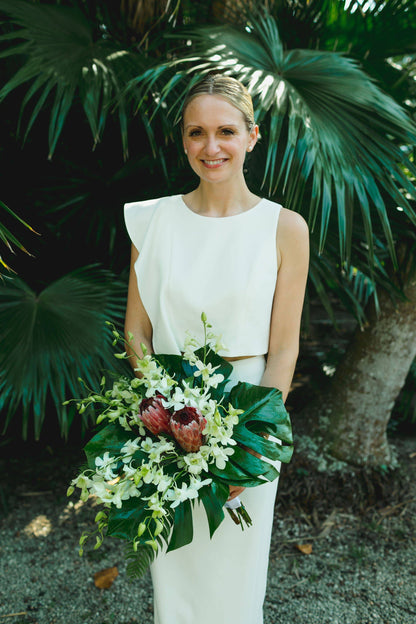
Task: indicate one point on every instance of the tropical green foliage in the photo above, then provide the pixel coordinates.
(63, 61)
(335, 146)
(51, 340)
(333, 138)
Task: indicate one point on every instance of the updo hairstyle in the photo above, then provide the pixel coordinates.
(228, 88)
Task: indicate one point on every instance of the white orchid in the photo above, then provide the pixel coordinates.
(155, 504)
(186, 492)
(129, 471)
(205, 370)
(159, 448)
(106, 466)
(221, 455)
(216, 343)
(147, 444)
(100, 489)
(190, 346)
(130, 448)
(83, 482)
(176, 401)
(195, 463)
(214, 380)
(147, 472)
(162, 481)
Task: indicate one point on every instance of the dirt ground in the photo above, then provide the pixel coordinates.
(343, 547)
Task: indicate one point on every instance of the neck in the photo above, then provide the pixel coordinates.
(221, 200)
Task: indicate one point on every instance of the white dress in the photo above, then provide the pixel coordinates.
(227, 268)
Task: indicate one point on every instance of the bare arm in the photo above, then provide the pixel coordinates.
(293, 257)
(137, 321)
(293, 253)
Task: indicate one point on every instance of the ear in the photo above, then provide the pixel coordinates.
(253, 136)
(183, 144)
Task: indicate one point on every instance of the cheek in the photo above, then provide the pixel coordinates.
(192, 148)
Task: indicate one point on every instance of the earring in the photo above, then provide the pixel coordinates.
(249, 149)
(186, 151)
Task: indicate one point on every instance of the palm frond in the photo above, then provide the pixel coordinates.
(8, 238)
(352, 286)
(61, 62)
(49, 341)
(333, 137)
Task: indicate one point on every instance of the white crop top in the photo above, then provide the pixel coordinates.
(189, 263)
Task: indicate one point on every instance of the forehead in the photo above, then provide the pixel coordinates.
(207, 109)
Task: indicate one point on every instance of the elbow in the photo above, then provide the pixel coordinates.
(289, 354)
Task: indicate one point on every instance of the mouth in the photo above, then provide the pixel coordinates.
(213, 164)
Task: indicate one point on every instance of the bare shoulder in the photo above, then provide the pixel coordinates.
(291, 224)
(292, 234)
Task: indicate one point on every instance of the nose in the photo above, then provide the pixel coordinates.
(211, 145)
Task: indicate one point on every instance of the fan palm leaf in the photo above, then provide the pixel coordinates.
(352, 286)
(51, 340)
(330, 131)
(63, 62)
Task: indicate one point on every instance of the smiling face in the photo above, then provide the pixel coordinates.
(216, 138)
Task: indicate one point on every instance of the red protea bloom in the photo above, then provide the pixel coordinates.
(154, 416)
(187, 426)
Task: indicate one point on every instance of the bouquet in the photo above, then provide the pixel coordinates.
(174, 436)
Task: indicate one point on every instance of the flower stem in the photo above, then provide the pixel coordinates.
(240, 516)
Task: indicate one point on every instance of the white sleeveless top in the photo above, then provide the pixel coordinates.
(189, 263)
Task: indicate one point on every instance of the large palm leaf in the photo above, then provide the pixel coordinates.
(333, 138)
(50, 340)
(63, 60)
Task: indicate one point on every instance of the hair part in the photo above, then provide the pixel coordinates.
(226, 87)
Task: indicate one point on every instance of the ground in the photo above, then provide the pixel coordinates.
(343, 547)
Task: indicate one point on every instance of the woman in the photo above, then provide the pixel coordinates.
(242, 260)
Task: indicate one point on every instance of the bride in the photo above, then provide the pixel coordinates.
(243, 260)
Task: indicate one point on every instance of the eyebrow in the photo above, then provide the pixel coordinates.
(230, 125)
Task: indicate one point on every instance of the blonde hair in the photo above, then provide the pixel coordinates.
(228, 88)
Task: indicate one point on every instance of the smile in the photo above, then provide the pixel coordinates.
(214, 163)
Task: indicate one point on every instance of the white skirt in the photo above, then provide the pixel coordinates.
(223, 580)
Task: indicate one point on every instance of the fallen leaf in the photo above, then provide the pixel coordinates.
(306, 549)
(104, 578)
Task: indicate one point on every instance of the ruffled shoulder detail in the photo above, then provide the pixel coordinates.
(137, 216)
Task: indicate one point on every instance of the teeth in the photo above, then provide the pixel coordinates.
(214, 162)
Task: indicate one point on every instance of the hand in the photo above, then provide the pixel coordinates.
(235, 491)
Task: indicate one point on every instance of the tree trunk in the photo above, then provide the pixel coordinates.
(354, 412)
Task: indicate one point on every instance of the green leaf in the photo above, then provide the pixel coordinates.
(213, 498)
(49, 340)
(182, 533)
(124, 522)
(253, 465)
(233, 474)
(8, 238)
(265, 404)
(174, 365)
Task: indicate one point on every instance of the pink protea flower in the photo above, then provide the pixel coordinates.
(154, 416)
(187, 426)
